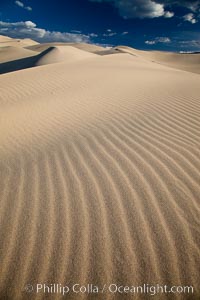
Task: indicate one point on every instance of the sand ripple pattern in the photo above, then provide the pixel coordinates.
(99, 177)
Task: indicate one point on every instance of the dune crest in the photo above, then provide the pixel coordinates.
(184, 61)
(7, 41)
(51, 55)
(62, 53)
(82, 46)
(10, 53)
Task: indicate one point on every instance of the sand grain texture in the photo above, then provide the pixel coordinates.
(100, 176)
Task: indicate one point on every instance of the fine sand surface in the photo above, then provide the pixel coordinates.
(51, 55)
(183, 61)
(82, 46)
(6, 41)
(10, 53)
(99, 175)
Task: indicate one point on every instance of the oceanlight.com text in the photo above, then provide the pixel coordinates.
(113, 288)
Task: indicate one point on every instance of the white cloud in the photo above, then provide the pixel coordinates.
(150, 42)
(186, 52)
(169, 14)
(190, 18)
(125, 33)
(29, 24)
(139, 8)
(29, 29)
(76, 31)
(190, 43)
(110, 34)
(163, 40)
(28, 8)
(192, 5)
(93, 35)
(21, 4)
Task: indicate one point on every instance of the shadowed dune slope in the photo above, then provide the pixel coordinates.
(99, 181)
(50, 56)
(10, 53)
(184, 61)
(61, 53)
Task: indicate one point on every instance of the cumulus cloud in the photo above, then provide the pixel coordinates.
(139, 8)
(28, 29)
(151, 8)
(163, 40)
(193, 5)
(21, 4)
(190, 18)
(168, 14)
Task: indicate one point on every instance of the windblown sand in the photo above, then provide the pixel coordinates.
(99, 175)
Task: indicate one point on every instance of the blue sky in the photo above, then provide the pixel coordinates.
(172, 25)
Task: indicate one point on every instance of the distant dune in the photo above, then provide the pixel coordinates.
(6, 41)
(4, 38)
(100, 170)
(184, 61)
(82, 46)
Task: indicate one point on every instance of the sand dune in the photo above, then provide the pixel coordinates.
(183, 61)
(6, 41)
(10, 53)
(61, 53)
(4, 38)
(51, 55)
(82, 46)
(100, 173)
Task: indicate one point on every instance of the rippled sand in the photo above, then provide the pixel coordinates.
(100, 175)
